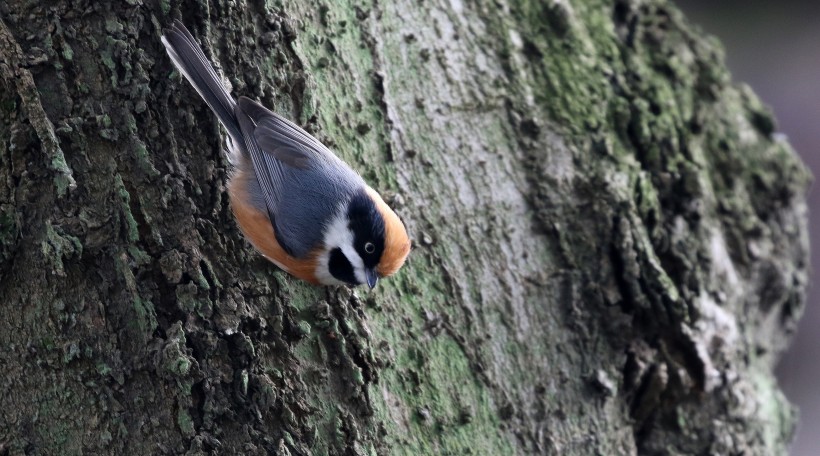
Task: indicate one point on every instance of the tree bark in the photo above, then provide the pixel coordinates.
(610, 241)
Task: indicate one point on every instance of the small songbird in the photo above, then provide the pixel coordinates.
(299, 205)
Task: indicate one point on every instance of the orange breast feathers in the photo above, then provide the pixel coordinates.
(396, 241)
(258, 229)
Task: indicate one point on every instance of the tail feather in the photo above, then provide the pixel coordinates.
(195, 66)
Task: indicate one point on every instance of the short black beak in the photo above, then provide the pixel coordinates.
(372, 277)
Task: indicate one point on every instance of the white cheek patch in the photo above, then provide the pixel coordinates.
(337, 234)
(323, 274)
(355, 260)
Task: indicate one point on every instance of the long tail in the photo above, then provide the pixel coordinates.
(191, 62)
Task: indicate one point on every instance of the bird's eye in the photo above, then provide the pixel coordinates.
(369, 247)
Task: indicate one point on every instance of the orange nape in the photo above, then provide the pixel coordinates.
(396, 241)
(257, 227)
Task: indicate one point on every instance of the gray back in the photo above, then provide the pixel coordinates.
(300, 183)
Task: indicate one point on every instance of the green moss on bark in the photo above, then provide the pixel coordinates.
(604, 228)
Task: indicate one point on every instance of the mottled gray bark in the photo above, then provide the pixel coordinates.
(610, 240)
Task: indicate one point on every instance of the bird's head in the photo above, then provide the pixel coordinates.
(364, 242)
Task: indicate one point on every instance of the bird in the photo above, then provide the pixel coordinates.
(299, 205)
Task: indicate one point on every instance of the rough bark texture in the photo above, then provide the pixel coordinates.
(610, 240)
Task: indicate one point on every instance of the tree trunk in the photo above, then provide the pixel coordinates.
(610, 242)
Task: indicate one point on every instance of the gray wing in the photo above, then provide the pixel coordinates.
(302, 182)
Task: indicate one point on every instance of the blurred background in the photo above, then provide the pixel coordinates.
(775, 48)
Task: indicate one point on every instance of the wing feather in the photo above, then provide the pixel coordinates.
(269, 175)
(299, 177)
(284, 139)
